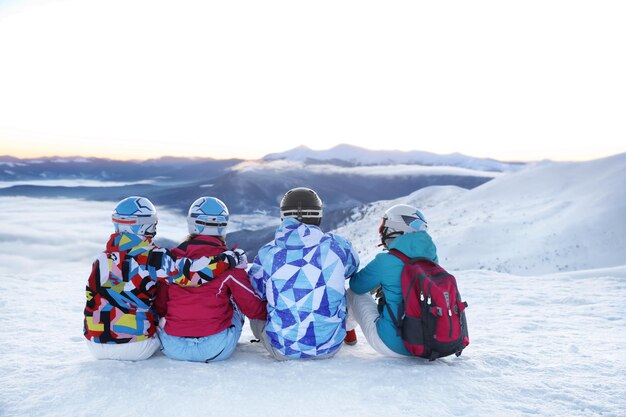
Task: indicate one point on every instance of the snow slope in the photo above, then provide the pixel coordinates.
(545, 218)
(541, 344)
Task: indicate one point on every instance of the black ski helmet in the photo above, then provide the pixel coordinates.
(302, 203)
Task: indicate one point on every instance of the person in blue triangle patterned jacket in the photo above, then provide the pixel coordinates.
(403, 228)
(302, 274)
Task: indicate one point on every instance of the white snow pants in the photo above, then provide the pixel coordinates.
(133, 351)
(362, 310)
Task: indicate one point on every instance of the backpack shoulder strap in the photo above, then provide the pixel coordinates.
(397, 319)
(408, 260)
(400, 255)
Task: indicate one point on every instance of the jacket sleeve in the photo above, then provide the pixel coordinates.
(352, 263)
(348, 255)
(90, 288)
(184, 271)
(369, 277)
(246, 299)
(160, 302)
(99, 274)
(258, 278)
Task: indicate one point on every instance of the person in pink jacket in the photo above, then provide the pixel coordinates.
(203, 324)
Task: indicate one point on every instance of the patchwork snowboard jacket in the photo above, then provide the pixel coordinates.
(302, 274)
(206, 310)
(122, 287)
(385, 271)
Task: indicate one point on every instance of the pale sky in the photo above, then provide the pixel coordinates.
(512, 80)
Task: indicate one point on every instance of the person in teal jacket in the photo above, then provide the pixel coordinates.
(403, 228)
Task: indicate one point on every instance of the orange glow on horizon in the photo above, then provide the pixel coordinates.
(66, 150)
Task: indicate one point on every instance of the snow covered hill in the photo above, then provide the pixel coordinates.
(545, 218)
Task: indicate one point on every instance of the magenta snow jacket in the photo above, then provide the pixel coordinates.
(207, 309)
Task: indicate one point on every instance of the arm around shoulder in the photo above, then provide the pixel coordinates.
(247, 300)
(184, 271)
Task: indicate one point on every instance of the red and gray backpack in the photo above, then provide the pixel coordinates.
(431, 317)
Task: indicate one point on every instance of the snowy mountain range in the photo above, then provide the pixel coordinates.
(360, 156)
(189, 169)
(345, 175)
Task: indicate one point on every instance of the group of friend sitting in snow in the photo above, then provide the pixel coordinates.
(191, 301)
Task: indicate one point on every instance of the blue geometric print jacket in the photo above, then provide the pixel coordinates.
(301, 274)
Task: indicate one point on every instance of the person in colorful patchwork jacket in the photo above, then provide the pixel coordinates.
(203, 324)
(405, 229)
(120, 322)
(302, 274)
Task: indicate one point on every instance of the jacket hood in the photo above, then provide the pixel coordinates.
(129, 242)
(414, 245)
(292, 234)
(201, 245)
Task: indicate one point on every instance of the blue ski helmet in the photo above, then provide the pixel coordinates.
(135, 215)
(208, 216)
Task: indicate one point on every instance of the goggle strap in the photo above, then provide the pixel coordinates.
(203, 223)
(136, 220)
(302, 213)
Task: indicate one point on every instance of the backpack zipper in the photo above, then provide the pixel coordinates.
(447, 297)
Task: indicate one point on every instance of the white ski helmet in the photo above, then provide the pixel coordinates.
(208, 216)
(401, 219)
(135, 215)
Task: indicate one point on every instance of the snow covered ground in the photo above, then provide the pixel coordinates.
(540, 345)
(542, 342)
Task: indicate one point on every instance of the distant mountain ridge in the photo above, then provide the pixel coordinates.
(349, 177)
(246, 186)
(173, 169)
(361, 156)
(190, 168)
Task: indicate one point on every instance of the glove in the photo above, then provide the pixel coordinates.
(236, 258)
(230, 257)
(379, 296)
(242, 259)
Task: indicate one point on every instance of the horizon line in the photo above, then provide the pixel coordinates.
(78, 156)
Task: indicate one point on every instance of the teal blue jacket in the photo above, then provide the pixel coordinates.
(384, 271)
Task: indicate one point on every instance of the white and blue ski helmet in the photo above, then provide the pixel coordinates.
(208, 216)
(401, 219)
(135, 215)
